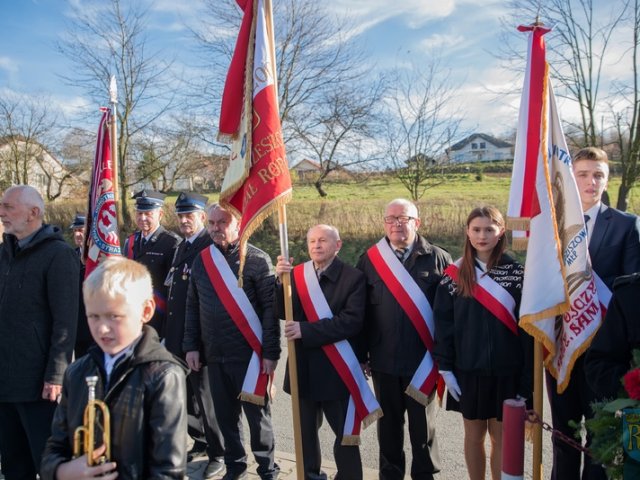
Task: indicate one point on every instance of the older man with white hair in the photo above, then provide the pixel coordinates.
(402, 272)
(38, 316)
(328, 299)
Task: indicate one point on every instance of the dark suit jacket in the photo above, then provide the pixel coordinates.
(178, 281)
(38, 313)
(344, 288)
(393, 344)
(609, 356)
(614, 249)
(615, 244)
(157, 256)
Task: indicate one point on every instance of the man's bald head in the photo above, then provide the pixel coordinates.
(21, 211)
(30, 197)
(323, 242)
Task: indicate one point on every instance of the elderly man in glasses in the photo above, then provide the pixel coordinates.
(402, 273)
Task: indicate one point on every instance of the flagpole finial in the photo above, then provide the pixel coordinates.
(113, 89)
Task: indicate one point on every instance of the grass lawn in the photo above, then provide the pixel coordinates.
(356, 210)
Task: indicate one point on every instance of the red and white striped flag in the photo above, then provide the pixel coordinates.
(523, 200)
(559, 306)
(102, 239)
(257, 181)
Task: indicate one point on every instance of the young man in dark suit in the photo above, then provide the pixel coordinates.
(153, 246)
(614, 248)
(190, 208)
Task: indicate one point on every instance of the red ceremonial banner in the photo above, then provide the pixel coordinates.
(101, 239)
(257, 181)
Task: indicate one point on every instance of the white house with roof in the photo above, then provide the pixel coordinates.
(480, 147)
(41, 169)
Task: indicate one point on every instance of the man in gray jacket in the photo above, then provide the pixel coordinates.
(38, 316)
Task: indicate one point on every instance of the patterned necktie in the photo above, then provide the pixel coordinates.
(400, 252)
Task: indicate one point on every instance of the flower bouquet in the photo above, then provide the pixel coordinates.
(615, 428)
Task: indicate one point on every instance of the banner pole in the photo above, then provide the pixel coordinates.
(113, 94)
(537, 407)
(291, 345)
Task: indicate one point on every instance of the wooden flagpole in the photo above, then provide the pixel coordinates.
(286, 280)
(537, 407)
(538, 369)
(291, 346)
(113, 95)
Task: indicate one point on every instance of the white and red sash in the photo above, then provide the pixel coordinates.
(491, 296)
(416, 306)
(239, 308)
(363, 407)
(130, 241)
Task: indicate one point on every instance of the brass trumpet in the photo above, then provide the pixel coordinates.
(84, 436)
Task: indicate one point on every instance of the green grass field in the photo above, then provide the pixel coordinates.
(356, 210)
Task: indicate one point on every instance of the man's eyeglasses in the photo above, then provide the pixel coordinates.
(402, 220)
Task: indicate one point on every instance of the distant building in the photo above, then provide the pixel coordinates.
(203, 173)
(306, 169)
(26, 161)
(480, 147)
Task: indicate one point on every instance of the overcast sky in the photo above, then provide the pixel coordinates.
(465, 32)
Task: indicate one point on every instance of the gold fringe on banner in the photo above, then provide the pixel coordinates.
(528, 324)
(528, 431)
(576, 354)
(520, 243)
(247, 118)
(518, 223)
(226, 138)
(255, 222)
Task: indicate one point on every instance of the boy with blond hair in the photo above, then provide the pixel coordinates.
(141, 383)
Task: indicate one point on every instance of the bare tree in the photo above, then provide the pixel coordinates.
(579, 50)
(315, 53)
(28, 130)
(423, 119)
(336, 130)
(110, 37)
(627, 117)
(78, 149)
(170, 155)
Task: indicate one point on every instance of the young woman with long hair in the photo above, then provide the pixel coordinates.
(482, 353)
